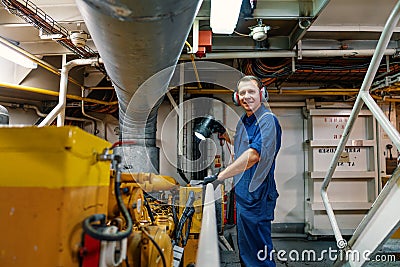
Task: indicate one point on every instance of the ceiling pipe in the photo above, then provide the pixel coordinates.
(138, 40)
(53, 93)
(40, 114)
(59, 109)
(289, 54)
(32, 14)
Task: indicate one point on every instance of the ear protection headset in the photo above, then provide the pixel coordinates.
(260, 85)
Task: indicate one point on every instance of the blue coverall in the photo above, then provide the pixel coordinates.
(255, 189)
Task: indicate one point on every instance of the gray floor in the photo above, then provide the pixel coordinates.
(300, 251)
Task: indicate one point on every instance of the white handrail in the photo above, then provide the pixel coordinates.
(208, 251)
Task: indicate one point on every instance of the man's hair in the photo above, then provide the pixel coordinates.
(248, 78)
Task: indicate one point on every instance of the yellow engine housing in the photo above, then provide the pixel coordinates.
(50, 182)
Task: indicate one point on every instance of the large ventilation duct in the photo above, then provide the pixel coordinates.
(136, 40)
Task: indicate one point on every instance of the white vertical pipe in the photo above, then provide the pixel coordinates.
(208, 251)
(195, 31)
(62, 97)
(59, 110)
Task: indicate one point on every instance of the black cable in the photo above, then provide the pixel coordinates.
(157, 247)
(187, 213)
(174, 215)
(188, 226)
(87, 223)
(179, 227)
(146, 204)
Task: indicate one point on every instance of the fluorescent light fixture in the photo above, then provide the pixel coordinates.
(13, 56)
(224, 15)
(44, 36)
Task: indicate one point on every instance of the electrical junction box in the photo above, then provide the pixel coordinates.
(205, 43)
(50, 182)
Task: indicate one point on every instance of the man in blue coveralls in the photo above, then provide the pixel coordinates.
(256, 144)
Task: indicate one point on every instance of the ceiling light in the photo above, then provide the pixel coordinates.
(78, 38)
(45, 36)
(13, 56)
(259, 31)
(224, 15)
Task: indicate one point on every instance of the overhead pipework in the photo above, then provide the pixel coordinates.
(47, 25)
(136, 40)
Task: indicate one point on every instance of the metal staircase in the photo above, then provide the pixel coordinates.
(377, 226)
(384, 216)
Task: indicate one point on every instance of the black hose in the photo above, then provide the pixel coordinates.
(188, 226)
(146, 204)
(174, 213)
(157, 247)
(87, 223)
(174, 217)
(187, 214)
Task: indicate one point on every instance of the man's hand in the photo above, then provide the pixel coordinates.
(210, 179)
(213, 179)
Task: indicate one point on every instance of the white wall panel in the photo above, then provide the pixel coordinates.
(289, 172)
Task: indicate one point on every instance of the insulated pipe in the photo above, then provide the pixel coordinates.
(40, 114)
(59, 110)
(138, 39)
(364, 90)
(288, 54)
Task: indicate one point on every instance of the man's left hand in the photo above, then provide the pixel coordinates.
(213, 179)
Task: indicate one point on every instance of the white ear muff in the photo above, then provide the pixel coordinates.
(264, 94)
(235, 99)
(263, 90)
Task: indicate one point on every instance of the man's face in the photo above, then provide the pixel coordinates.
(249, 96)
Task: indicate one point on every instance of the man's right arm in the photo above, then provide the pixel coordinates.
(241, 164)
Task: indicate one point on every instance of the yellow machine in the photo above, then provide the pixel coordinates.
(191, 237)
(50, 182)
(65, 202)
